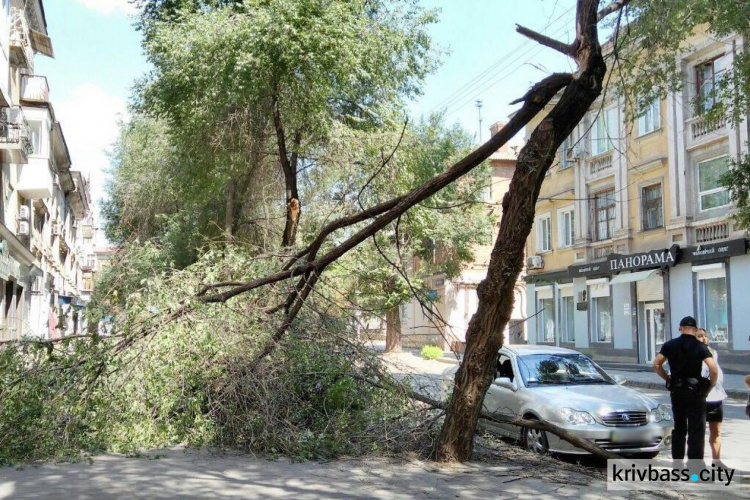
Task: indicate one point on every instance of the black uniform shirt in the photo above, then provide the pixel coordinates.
(685, 355)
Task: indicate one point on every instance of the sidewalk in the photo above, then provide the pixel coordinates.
(647, 379)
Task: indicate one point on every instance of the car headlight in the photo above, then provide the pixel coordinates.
(575, 417)
(660, 413)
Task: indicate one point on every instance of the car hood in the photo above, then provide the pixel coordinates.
(595, 399)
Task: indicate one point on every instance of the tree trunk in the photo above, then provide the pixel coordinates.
(289, 168)
(484, 335)
(393, 330)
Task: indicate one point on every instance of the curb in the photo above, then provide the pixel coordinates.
(741, 395)
(448, 361)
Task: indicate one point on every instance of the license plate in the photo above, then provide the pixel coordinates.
(630, 437)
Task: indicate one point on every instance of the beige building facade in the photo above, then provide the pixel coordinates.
(633, 230)
(456, 299)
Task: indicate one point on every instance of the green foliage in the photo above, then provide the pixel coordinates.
(737, 179)
(431, 352)
(192, 380)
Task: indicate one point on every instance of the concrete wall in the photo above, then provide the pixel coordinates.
(681, 301)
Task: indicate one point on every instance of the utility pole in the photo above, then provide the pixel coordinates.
(478, 104)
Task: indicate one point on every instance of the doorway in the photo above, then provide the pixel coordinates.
(654, 317)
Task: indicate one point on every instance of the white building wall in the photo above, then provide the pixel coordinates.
(739, 291)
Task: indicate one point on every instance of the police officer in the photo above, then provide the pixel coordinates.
(688, 390)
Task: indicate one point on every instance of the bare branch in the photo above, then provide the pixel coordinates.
(557, 45)
(613, 7)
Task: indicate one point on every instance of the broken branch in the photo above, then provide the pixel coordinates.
(557, 45)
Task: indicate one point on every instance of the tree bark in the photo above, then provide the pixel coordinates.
(393, 330)
(484, 335)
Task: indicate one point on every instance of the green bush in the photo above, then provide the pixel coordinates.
(432, 352)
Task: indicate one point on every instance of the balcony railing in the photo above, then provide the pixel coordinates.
(712, 232)
(21, 51)
(700, 129)
(34, 88)
(14, 130)
(603, 252)
(600, 163)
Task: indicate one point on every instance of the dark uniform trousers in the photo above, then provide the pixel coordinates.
(689, 412)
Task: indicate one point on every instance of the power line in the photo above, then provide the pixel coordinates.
(491, 70)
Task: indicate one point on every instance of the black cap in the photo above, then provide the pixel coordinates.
(688, 321)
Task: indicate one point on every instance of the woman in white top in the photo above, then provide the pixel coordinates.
(714, 410)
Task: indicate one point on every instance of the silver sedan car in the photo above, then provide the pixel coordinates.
(568, 389)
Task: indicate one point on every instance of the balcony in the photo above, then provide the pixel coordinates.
(21, 50)
(600, 163)
(36, 181)
(708, 233)
(34, 88)
(14, 135)
(701, 131)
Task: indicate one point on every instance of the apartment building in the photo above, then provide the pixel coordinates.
(455, 300)
(633, 231)
(44, 202)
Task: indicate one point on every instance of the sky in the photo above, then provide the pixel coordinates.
(98, 57)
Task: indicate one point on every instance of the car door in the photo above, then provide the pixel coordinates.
(503, 400)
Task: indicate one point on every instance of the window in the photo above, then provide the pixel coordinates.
(545, 315)
(651, 207)
(604, 214)
(601, 308)
(712, 304)
(505, 367)
(711, 193)
(35, 136)
(707, 78)
(650, 118)
(567, 310)
(567, 145)
(544, 233)
(565, 221)
(603, 132)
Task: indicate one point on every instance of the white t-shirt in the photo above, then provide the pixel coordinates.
(717, 393)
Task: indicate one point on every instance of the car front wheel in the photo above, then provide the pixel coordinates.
(535, 440)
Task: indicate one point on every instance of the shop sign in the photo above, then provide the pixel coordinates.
(616, 263)
(645, 260)
(715, 250)
(9, 267)
(588, 269)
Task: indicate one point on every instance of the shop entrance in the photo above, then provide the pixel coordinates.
(653, 318)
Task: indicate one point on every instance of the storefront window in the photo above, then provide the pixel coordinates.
(712, 297)
(566, 319)
(546, 322)
(602, 316)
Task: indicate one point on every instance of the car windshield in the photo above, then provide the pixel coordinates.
(560, 369)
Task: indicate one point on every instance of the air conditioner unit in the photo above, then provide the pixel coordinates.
(535, 262)
(55, 228)
(23, 212)
(23, 228)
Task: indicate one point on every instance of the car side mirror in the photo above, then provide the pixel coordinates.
(504, 382)
(619, 379)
